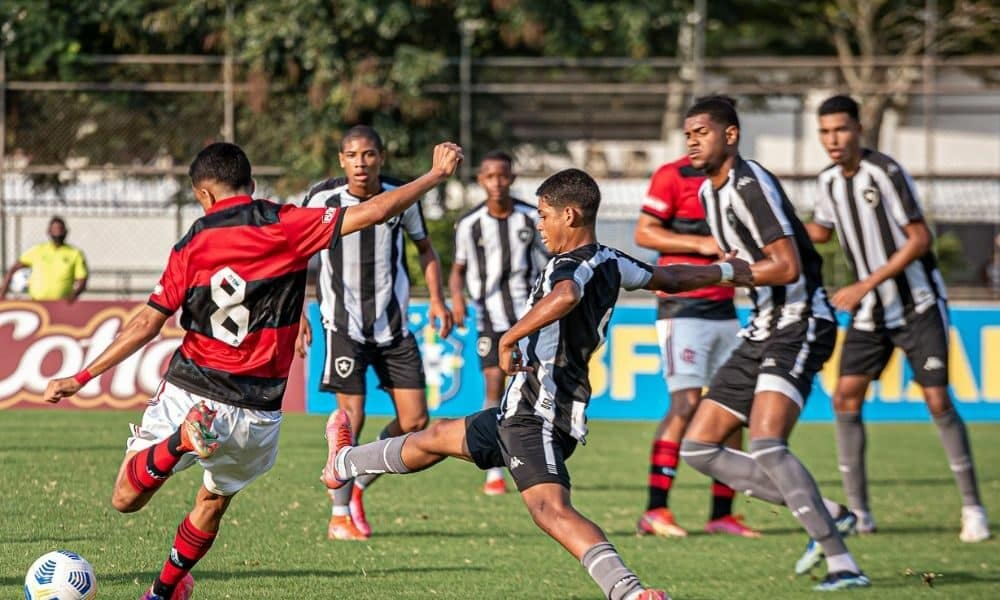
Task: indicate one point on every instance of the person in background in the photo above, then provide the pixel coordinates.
(58, 270)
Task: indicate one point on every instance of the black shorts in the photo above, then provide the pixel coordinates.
(532, 450)
(924, 339)
(786, 362)
(398, 365)
(486, 348)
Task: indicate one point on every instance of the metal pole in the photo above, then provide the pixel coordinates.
(930, 34)
(3, 160)
(698, 59)
(228, 126)
(465, 99)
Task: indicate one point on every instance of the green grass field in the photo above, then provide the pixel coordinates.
(436, 536)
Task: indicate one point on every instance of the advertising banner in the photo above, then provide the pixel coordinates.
(40, 341)
(626, 373)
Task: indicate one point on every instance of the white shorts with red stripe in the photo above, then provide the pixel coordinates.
(693, 349)
(248, 438)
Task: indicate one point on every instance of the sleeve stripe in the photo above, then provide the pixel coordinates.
(160, 308)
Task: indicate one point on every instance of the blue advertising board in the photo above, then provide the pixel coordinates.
(626, 374)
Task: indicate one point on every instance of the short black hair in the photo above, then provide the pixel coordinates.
(364, 132)
(225, 163)
(57, 219)
(840, 103)
(721, 109)
(572, 187)
(498, 155)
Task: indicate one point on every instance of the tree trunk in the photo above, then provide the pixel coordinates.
(872, 112)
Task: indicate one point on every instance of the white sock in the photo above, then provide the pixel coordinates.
(341, 511)
(494, 474)
(841, 562)
(832, 507)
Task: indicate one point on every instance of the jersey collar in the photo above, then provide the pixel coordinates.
(228, 202)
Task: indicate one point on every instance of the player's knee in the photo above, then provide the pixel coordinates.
(768, 452)
(417, 422)
(938, 400)
(699, 455)
(548, 514)
(125, 502)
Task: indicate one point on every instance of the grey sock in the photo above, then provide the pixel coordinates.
(851, 459)
(800, 492)
(342, 495)
(363, 481)
(609, 571)
(955, 440)
(381, 456)
(735, 469)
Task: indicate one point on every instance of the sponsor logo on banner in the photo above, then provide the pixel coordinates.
(48, 340)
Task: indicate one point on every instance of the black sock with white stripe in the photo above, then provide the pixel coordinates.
(616, 580)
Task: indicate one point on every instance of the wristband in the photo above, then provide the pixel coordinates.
(727, 272)
(83, 377)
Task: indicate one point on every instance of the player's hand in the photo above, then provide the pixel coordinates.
(709, 247)
(61, 388)
(510, 358)
(742, 274)
(305, 337)
(440, 314)
(847, 298)
(458, 312)
(447, 157)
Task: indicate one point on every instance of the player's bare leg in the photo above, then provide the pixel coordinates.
(955, 439)
(550, 507)
(142, 472)
(848, 400)
(663, 461)
(342, 525)
(493, 378)
(194, 538)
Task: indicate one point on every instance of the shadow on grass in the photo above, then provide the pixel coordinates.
(57, 540)
(143, 576)
(940, 581)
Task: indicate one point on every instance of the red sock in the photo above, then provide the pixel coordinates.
(190, 545)
(722, 499)
(149, 468)
(662, 469)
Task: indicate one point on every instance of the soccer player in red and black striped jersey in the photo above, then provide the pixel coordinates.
(697, 331)
(238, 276)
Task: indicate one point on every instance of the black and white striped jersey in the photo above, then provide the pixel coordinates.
(502, 258)
(363, 284)
(558, 390)
(869, 211)
(749, 212)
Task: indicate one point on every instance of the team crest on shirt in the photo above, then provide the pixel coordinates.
(483, 346)
(871, 196)
(343, 365)
(524, 235)
(393, 221)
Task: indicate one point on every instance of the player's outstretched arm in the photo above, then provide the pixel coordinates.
(558, 303)
(138, 332)
(681, 278)
(818, 233)
(384, 206)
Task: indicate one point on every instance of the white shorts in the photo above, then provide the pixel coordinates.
(693, 349)
(248, 439)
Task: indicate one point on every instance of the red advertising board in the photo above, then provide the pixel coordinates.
(44, 340)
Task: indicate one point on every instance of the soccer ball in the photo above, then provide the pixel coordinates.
(60, 575)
